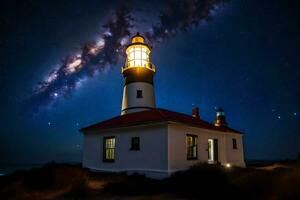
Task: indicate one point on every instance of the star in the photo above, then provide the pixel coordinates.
(49, 123)
(279, 117)
(55, 94)
(295, 114)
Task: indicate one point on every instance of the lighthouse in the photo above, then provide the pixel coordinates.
(154, 141)
(138, 73)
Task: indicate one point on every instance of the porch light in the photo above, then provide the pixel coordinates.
(228, 165)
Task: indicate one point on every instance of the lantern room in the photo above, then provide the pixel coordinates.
(138, 54)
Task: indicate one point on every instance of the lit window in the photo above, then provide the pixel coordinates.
(234, 144)
(131, 56)
(109, 145)
(138, 63)
(135, 143)
(131, 63)
(138, 56)
(139, 94)
(144, 55)
(191, 146)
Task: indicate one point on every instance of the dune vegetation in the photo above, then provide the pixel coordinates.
(66, 181)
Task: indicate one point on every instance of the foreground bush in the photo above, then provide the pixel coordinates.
(51, 177)
(202, 181)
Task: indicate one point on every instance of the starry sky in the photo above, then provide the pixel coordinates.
(243, 56)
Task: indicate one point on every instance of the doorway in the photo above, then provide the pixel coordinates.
(212, 151)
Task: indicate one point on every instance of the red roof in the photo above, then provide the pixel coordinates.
(154, 115)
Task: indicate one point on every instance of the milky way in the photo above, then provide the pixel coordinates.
(106, 51)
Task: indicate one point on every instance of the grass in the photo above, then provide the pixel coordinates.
(65, 181)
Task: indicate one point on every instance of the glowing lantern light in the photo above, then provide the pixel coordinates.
(138, 54)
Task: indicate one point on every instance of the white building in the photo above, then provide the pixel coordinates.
(154, 141)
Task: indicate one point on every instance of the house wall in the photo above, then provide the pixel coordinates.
(177, 153)
(151, 159)
(235, 156)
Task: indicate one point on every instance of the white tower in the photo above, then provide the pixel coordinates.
(138, 73)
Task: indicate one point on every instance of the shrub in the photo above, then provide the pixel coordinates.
(134, 184)
(201, 180)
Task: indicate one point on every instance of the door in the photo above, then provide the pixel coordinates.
(212, 150)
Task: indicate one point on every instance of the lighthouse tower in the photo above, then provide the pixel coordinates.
(138, 73)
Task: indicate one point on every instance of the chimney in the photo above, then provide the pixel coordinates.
(195, 112)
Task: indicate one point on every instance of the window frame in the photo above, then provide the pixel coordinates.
(234, 143)
(195, 140)
(137, 147)
(105, 159)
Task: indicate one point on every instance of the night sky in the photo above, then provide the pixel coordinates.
(241, 55)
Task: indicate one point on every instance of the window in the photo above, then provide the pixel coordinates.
(139, 94)
(191, 146)
(234, 145)
(109, 146)
(138, 56)
(135, 143)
